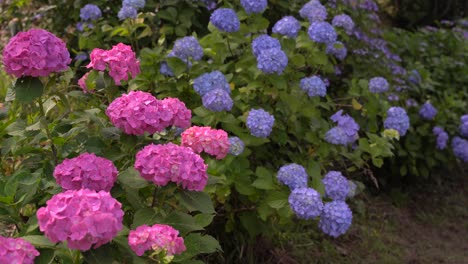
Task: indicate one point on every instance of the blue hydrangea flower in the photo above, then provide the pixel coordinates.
(313, 86)
(236, 146)
(254, 6)
(225, 19)
(210, 4)
(90, 12)
(292, 175)
(344, 21)
(346, 122)
(81, 56)
(210, 81)
(393, 97)
(415, 77)
(337, 136)
(460, 148)
(397, 119)
(336, 186)
(437, 130)
(272, 61)
(217, 100)
(428, 111)
(378, 85)
(187, 47)
(305, 203)
(369, 5)
(127, 12)
(463, 128)
(313, 11)
(337, 49)
(411, 103)
(165, 69)
(336, 218)
(264, 42)
(345, 132)
(260, 123)
(442, 139)
(322, 32)
(352, 189)
(137, 4)
(287, 26)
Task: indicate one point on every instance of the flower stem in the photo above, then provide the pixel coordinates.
(46, 128)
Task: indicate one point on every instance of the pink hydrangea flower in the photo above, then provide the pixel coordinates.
(166, 163)
(120, 60)
(212, 141)
(35, 53)
(157, 237)
(86, 171)
(83, 218)
(18, 250)
(181, 115)
(82, 83)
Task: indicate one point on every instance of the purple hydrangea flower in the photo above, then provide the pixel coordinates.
(428, 111)
(393, 97)
(336, 218)
(437, 130)
(337, 49)
(260, 123)
(378, 85)
(345, 132)
(460, 148)
(236, 146)
(137, 4)
(336, 186)
(293, 175)
(415, 77)
(225, 19)
(127, 12)
(442, 139)
(210, 81)
(90, 12)
(314, 86)
(411, 103)
(264, 42)
(17, 250)
(305, 203)
(217, 100)
(287, 26)
(188, 47)
(272, 61)
(313, 11)
(344, 21)
(322, 32)
(369, 5)
(463, 128)
(254, 6)
(397, 119)
(81, 56)
(210, 4)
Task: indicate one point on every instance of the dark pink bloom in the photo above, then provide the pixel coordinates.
(212, 141)
(18, 250)
(181, 115)
(157, 237)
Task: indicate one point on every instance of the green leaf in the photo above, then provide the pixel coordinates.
(264, 180)
(132, 179)
(101, 255)
(197, 244)
(204, 219)
(177, 65)
(185, 223)
(46, 256)
(196, 201)
(146, 216)
(39, 241)
(28, 88)
(277, 200)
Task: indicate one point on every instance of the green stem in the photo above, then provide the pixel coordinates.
(229, 45)
(46, 128)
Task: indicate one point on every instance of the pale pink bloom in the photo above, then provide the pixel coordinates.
(157, 237)
(205, 139)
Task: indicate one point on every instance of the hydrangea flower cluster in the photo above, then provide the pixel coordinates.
(337, 49)
(120, 60)
(35, 53)
(260, 123)
(415, 77)
(345, 132)
(82, 83)
(287, 26)
(137, 4)
(217, 100)
(87, 171)
(188, 47)
(264, 42)
(313, 86)
(138, 112)
(411, 103)
(205, 139)
(442, 137)
(428, 111)
(293, 175)
(17, 250)
(225, 19)
(322, 32)
(82, 217)
(272, 61)
(378, 85)
(344, 21)
(236, 146)
(463, 128)
(127, 12)
(306, 203)
(254, 6)
(393, 97)
(369, 5)
(336, 186)
(397, 119)
(336, 218)
(460, 148)
(210, 81)
(90, 12)
(313, 11)
(166, 163)
(158, 238)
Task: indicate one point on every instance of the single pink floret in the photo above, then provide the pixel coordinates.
(87, 171)
(166, 163)
(82, 83)
(35, 53)
(212, 141)
(157, 237)
(83, 218)
(17, 250)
